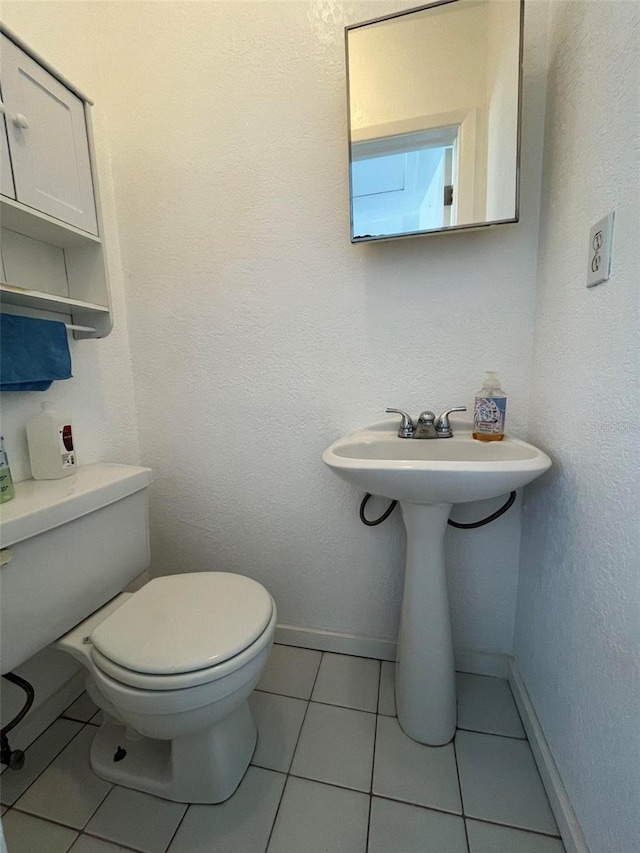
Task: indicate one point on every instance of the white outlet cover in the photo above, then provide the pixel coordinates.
(600, 240)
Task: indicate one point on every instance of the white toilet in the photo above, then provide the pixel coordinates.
(171, 665)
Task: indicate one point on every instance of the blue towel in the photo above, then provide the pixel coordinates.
(32, 353)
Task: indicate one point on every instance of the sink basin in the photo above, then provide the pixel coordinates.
(427, 476)
(434, 471)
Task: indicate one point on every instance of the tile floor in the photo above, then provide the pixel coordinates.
(332, 773)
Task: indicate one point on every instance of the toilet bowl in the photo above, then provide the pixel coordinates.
(172, 666)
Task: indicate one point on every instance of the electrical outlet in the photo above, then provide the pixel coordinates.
(600, 241)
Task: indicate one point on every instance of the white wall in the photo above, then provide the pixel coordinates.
(578, 619)
(259, 334)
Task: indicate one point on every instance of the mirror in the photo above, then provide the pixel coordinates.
(434, 118)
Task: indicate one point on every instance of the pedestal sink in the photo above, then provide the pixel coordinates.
(427, 476)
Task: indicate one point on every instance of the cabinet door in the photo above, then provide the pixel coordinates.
(47, 141)
(6, 176)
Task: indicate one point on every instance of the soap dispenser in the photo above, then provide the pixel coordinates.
(490, 410)
(50, 440)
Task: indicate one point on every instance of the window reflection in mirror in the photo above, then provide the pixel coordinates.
(434, 118)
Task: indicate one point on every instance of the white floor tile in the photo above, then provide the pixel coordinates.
(68, 791)
(40, 754)
(412, 772)
(241, 825)
(290, 671)
(82, 709)
(387, 697)
(88, 844)
(316, 818)
(348, 681)
(399, 828)
(137, 820)
(26, 834)
(500, 782)
(488, 838)
(279, 720)
(336, 746)
(487, 705)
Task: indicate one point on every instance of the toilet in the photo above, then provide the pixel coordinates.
(171, 665)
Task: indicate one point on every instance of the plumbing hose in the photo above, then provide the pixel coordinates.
(471, 526)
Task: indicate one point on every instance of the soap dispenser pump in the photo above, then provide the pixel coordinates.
(490, 410)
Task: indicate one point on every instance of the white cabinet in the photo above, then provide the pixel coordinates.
(53, 260)
(47, 141)
(6, 176)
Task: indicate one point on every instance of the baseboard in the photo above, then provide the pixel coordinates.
(475, 661)
(479, 662)
(570, 830)
(333, 641)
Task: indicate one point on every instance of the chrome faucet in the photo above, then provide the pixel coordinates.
(428, 425)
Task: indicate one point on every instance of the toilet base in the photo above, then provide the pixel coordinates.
(205, 767)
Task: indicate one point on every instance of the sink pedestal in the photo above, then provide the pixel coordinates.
(425, 672)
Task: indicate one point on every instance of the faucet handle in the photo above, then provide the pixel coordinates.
(443, 427)
(406, 427)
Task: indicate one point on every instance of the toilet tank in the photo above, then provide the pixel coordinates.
(68, 546)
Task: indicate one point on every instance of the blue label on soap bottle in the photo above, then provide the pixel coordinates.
(489, 415)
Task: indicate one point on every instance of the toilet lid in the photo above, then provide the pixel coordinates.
(181, 623)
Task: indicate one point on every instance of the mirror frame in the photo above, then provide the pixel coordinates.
(448, 228)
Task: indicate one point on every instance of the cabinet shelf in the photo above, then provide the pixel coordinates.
(82, 313)
(32, 223)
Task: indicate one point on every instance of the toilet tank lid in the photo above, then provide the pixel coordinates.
(41, 505)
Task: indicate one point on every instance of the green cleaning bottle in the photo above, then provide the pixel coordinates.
(6, 483)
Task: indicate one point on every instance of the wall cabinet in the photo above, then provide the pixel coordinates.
(52, 253)
(6, 175)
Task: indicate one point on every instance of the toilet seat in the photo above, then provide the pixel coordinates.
(183, 630)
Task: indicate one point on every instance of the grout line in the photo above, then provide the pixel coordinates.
(46, 767)
(73, 719)
(334, 785)
(286, 695)
(330, 652)
(344, 707)
(494, 734)
(418, 805)
(53, 820)
(373, 757)
(288, 774)
(47, 819)
(108, 841)
(513, 826)
(317, 702)
(464, 822)
(186, 812)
